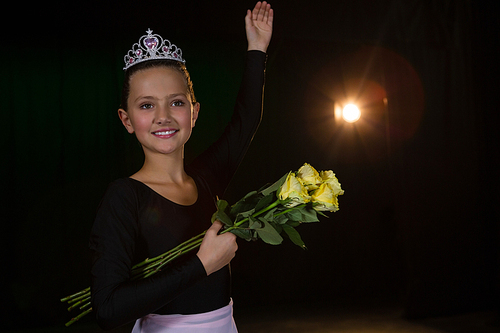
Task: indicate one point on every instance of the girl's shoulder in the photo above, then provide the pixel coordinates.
(124, 184)
(125, 188)
(126, 194)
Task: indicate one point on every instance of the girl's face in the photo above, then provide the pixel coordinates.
(160, 111)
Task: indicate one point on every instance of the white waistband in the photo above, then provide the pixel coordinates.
(217, 321)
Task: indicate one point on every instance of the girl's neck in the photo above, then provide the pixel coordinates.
(167, 177)
(159, 168)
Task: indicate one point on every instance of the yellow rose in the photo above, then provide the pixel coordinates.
(329, 178)
(309, 177)
(293, 189)
(324, 199)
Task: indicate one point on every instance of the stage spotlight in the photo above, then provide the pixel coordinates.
(351, 113)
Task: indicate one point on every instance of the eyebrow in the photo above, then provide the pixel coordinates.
(166, 97)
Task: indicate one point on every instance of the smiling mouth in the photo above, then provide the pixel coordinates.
(165, 132)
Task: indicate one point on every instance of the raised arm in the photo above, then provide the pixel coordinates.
(219, 162)
(259, 26)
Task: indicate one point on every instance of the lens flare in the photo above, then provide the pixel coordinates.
(351, 113)
(388, 93)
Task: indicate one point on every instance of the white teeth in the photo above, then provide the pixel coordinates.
(165, 132)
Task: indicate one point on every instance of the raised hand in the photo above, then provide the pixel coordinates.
(259, 26)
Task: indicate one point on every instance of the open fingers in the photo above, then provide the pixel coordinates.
(262, 12)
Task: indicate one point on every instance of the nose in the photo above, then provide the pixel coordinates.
(162, 115)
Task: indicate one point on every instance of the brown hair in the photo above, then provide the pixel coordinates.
(177, 65)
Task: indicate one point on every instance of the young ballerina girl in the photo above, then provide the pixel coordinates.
(166, 202)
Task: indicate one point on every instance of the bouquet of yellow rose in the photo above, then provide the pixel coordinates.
(269, 214)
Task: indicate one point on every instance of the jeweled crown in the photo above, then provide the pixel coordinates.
(151, 47)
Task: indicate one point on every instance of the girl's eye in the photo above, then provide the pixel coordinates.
(178, 103)
(146, 106)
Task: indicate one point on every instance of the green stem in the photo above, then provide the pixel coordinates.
(157, 266)
(79, 298)
(186, 249)
(161, 256)
(84, 291)
(78, 317)
(86, 305)
(79, 302)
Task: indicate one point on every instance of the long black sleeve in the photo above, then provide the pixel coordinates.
(220, 161)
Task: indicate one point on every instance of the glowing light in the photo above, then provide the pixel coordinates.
(351, 113)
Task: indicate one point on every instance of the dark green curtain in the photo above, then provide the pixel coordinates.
(60, 144)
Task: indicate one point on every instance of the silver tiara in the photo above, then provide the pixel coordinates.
(151, 47)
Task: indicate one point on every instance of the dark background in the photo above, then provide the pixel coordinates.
(418, 224)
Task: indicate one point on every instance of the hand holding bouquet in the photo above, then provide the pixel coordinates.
(267, 214)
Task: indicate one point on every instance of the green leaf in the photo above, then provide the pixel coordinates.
(277, 227)
(274, 187)
(303, 214)
(243, 215)
(280, 219)
(294, 236)
(322, 214)
(248, 195)
(224, 218)
(269, 215)
(265, 201)
(294, 215)
(309, 215)
(268, 234)
(264, 187)
(222, 205)
(221, 215)
(245, 204)
(243, 233)
(254, 223)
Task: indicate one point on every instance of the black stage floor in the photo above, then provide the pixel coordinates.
(317, 318)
